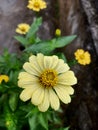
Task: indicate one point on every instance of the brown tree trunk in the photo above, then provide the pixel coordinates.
(80, 17)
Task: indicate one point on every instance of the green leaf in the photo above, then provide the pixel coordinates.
(33, 122)
(72, 62)
(62, 56)
(32, 112)
(2, 121)
(63, 41)
(22, 40)
(67, 128)
(34, 27)
(13, 101)
(37, 39)
(44, 47)
(39, 127)
(43, 120)
(34, 39)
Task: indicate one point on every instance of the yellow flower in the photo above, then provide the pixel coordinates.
(58, 32)
(36, 5)
(4, 78)
(46, 80)
(83, 57)
(22, 28)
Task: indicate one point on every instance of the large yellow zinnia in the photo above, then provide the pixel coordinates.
(46, 80)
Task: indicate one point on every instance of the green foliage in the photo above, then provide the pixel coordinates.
(34, 27)
(30, 37)
(63, 41)
(43, 120)
(22, 40)
(67, 128)
(62, 56)
(10, 118)
(47, 47)
(13, 101)
(9, 62)
(37, 120)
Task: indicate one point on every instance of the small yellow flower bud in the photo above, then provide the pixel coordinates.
(58, 32)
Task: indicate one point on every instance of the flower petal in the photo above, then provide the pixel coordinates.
(45, 103)
(23, 75)
(40, 60)
(26, 80)
(67, 78)
(62, 94)
(26, 83)
(34, 63)
(26, 94)
(55, 61)
(61, 67)
(30, 69)
(48, 61)
(68, 89)
(54, 100)
(38, 96)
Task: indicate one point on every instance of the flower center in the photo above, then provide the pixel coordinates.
(82, 56)
(36, 5)
(23, 29)
(48, 78)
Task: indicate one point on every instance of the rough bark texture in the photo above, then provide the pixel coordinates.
(90, 8)
(80, 18)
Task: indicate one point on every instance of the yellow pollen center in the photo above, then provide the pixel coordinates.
(36, 5)
(82, 56)
(48, 78)
(23, 29)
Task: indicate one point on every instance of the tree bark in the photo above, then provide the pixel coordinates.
(92, 15)
(80, 17)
